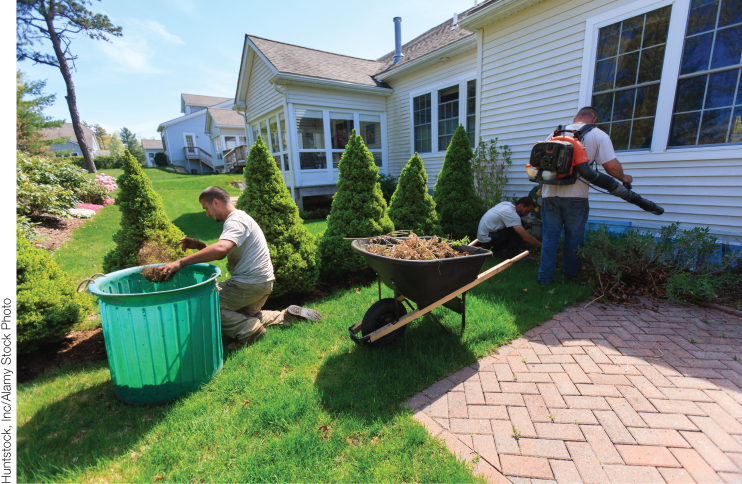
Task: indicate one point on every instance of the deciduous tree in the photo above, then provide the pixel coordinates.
(56, 22)
(115, 146)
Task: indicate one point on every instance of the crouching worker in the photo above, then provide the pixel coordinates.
(242, 297)
(501, 229)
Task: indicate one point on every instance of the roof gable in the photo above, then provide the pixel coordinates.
(68, 131)
(152, 144)
(225, 117)
(201, 101)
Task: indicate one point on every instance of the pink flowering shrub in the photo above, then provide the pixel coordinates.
(107, 182)
(108, 201)
(90, 206)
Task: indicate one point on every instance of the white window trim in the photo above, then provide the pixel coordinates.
(433, 89)
(251, 139)
(185, 140)
(668, 81)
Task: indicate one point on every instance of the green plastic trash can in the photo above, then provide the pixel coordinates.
(163, 339)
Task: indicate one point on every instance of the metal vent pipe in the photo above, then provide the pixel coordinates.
(397, 40)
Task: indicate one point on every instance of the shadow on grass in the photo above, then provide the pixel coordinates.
(369, 383)
(80, 430)
(199, 226)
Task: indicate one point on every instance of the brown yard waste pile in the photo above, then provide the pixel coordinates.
(413, 248)
(153, 253)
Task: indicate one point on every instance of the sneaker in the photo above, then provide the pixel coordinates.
(247, 341)
(305, 313)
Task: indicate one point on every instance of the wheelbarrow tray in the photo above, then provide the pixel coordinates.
(425, 281)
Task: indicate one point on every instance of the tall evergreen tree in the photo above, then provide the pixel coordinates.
(30, 118)
(412, 207)
(143, 219)
(57, 21)
(267, 200)
(130, 142)
(456, 201)
(358, 210)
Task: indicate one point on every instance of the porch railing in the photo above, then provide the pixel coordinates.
(196, 153)
(233, 157)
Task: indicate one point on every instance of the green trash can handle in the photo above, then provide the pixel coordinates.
(87, 282)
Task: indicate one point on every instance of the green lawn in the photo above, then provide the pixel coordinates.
(303, 404)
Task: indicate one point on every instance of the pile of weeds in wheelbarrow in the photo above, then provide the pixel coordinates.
(414, 248)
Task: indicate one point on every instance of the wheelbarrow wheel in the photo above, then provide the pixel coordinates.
(379, 315)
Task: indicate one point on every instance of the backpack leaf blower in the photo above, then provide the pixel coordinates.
(560, 160)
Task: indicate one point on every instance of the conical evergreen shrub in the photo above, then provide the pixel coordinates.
(143, 219)
(455, 199)
(358, 210)
(267, 200)
(412, 207)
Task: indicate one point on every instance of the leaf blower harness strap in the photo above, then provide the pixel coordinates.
(563, 158)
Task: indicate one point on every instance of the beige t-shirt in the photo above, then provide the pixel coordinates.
(599, 148)
(249, 261)
(498, 217)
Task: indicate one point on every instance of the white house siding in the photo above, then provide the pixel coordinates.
(399, 121)
(531, 68)
(333, 98)
(261, 97)
(175, 141)
(68, 145)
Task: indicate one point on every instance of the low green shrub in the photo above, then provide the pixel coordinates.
(47, 185)
(699, 287)
(26, 227)
(639, 262)
(160, 159)
(412, 206)
(48, 303)
(93, 193)
(102, 162)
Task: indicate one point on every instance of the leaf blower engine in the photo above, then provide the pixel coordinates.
(563, 159)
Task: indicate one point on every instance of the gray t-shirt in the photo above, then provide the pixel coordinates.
(249, 261)
(498, 217)
(599, 149)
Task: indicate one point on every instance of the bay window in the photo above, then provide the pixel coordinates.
(341, 126)
(310, 131)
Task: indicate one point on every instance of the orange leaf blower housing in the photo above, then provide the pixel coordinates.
(553, 161)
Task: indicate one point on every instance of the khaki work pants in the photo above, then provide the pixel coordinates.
(240, 307)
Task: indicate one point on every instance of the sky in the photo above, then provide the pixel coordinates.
(169, 47)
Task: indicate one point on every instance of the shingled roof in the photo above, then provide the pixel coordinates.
(67, 131)
(226, 117)
(152, 144)
(198, 100)
(302, 61)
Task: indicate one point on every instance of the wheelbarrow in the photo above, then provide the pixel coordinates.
(427, 284)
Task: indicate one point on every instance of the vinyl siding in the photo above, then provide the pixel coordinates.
(261, 97)
(176, 141)
(328, 98)
(531, 68)
(399, 122)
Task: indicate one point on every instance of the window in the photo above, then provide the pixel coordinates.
(275, 147)
(311, 134)
(448, 115)
(282, 122)
(243, 140)
(422, 124)
(230, 142)
(341, 126)
(627, 77)
(708, 101)
(151, 156)
(264, 132)
(370, 131)
(471, 110)
(274, 136)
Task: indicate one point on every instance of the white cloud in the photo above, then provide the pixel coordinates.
(158, 29)
(131, 54)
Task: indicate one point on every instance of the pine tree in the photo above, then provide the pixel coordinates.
(30, 118)
(267, 200)
(358, 210)
(131, 143)
(412, 207)
(143, 219)
(456, 201)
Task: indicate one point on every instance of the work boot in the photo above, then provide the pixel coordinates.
(305, 313)
(247, 341)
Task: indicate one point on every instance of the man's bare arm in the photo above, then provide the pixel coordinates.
(212, 252)
(527, 238)
(614, 168)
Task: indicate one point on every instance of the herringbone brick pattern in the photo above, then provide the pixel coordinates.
(601, 395)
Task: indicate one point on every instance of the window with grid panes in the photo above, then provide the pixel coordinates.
(708, 102)
(422, 123)
(471, 109)
(626, 86)
(448, 115)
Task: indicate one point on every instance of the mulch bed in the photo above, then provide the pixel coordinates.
(54, 231)
(76, 347)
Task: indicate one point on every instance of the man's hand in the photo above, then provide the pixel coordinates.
(627, 179)
(191, 243)
(169, 270)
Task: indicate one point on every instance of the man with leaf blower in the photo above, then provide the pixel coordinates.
(242, 297)
(562, 165)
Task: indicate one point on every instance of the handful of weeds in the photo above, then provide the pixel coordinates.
(154, 252)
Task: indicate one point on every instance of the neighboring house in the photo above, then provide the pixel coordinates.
(67, 131)
(226, 130)
(103, 153)
(183, 138)
(515, 69)
(151, 147)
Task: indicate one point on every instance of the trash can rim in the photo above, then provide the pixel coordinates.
(93, 287)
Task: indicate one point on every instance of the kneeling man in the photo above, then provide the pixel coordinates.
(501, 229)
(242, 297)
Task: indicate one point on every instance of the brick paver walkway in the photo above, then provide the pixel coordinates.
(601, 396)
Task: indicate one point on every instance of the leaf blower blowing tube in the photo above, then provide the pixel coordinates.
(616, 189)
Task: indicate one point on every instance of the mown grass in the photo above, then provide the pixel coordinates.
(263, 417)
